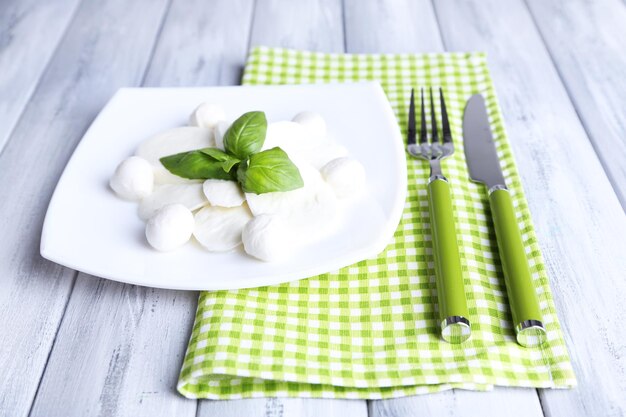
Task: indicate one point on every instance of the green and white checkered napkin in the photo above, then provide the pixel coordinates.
(370, 330)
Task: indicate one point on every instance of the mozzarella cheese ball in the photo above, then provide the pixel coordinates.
(313, 122)
(266, 238)
(170, 142)
(133, 179)
(189, 195)
(345, 175)
(223, 193)
(206, 115)
(219, 229)
(219, 131)
(170, 227)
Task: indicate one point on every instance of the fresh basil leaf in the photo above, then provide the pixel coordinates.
(269, 171)
(228, 161)
(215, 153)
(195, 165)
(229, 164)
(246, 135)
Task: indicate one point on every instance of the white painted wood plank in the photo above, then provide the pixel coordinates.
(391, 27)
(314, 25)
(586, 40)
(311, 25)
(29, 33)
(508, 402)
(118, 353)
(93, 60)
(120, 347)
(579, 221)
(203, 43)
(411, 26)
(279, 407)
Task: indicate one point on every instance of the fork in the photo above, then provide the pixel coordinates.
(453, 313)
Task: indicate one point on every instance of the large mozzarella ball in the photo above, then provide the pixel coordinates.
(266, 238)
(170, 142)
(173, 141)
(219, 131)
(133, 179)
(170, 227)
(219, 229)
(308, 211)
(207, 115)
(313, 122)
(291, 137)
(189, 195)
(223, 193)
(345, 175)
(299, 143)
(325, 152)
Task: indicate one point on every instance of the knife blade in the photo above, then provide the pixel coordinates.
(480, 151)
(484, 167)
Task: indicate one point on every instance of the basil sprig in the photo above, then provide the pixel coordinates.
(256, 171)
(228, 161)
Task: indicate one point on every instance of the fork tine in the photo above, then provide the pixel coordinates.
(445, 124)
(411, 130)
(433, 118)
(423, 133)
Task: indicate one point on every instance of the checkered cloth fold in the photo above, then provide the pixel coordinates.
(370, 330)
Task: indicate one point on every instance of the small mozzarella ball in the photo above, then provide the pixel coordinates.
(266, 238)
(206, 115)
(170, 228)
(219, 131)
(345, 175)
(133, 179)
(223, 193)
(313, 122)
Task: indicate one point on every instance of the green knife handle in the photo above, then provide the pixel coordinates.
(519, 286)
(453, 314)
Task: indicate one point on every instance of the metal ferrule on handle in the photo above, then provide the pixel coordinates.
(453, 313)
(523, 299)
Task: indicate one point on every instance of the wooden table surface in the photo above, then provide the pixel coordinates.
(77, 345)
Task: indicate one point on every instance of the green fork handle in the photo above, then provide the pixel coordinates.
(453, 313)
(523, 300)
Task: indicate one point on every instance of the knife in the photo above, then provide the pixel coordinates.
(484, 167)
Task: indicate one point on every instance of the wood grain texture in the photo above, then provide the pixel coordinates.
(120, 347)
(309, 25)
(118, 353)
(92, 61)
(378, 27)
(315, 25)
(578, 219)
(397, 26)
(500, 402)
(29, 33)
(586, 40)
(283, 407)
(202, 44)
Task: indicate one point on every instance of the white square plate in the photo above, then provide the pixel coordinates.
(88, 228)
